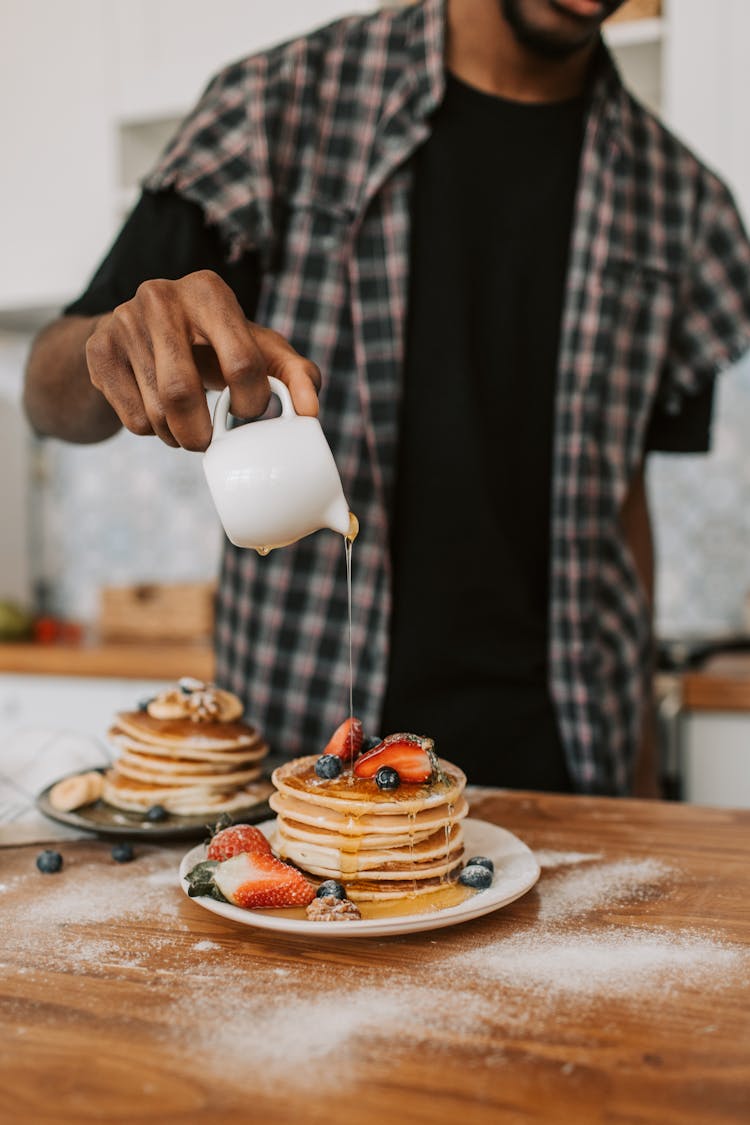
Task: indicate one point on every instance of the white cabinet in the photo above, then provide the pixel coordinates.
(707, 85)
(639, 47)
(166, 50)
(716, 758)
(70, 704)
(15, 468)
(78, 74)
(57, 170)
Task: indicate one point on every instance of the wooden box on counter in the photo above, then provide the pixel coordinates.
(182, 611)
(637, 10)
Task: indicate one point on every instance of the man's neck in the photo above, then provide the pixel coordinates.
(483, 51)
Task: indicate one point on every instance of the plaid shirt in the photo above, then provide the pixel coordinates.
(301, 155)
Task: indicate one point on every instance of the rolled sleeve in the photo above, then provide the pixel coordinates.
(711, 329)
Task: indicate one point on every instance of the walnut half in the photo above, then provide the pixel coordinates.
(331, 909)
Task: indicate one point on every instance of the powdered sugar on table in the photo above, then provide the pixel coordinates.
(489, 977)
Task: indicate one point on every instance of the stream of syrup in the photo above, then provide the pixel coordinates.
(348, 544)
(412, 902)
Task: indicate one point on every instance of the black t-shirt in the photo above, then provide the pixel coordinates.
(165, 236)
(491, 216)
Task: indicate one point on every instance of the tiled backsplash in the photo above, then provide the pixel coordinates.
(128, 510)
(132, 510)
(701, 514)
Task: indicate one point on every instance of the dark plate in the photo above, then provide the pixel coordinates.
(104, 820)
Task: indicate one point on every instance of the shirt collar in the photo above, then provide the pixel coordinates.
(608, 99)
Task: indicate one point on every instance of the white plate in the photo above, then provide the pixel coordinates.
(516, 872)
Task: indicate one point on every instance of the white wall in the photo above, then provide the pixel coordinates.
(14, 475)
(707, 85)
(55, 80)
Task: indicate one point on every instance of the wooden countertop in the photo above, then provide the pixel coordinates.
(618, 989)
(137, 661)
(722, 684)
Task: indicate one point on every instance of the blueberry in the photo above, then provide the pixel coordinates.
(49, 862)
(481, 861)
(328, 766)
(370, 741)
(143, 704)
(188, 684)
(387, 778)
(156, 813)
(476, 876)
(332, 888)
(122, 853)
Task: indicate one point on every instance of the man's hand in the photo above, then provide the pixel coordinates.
(154, 357)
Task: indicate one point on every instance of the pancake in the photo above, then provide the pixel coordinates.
(187, 733)
(318, 817)
(355, 797)
(365, 890)
(135, 796)
(253, 752)
(145, 759)
(355, 835)
(130, 765)
(179, 753)
(435, 851)
(380, 843)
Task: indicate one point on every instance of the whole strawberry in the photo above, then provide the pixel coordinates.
(237, 840)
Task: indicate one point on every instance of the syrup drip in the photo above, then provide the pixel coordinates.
(452, 894)
(448, 830)
(348, 544)
(264, 550)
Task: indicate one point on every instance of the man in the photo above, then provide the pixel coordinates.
(515, 282)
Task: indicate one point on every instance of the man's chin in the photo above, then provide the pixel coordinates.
(555, 29)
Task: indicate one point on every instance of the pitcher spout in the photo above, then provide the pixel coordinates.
(337, 516)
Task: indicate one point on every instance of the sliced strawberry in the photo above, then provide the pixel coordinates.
(235, 840)
(256, 881)
(346, 740)
(410, 756)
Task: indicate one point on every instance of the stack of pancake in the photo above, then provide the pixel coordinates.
(380, 844)
(182, 753)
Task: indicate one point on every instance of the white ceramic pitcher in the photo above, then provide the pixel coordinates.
(275, 480)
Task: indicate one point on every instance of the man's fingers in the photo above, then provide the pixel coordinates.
(179, 388)
(301, 375)
(219, 321)
(141, 358)
(154, 356)
(110, 372)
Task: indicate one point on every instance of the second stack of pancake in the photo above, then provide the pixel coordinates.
(379, 844)
(189, 765)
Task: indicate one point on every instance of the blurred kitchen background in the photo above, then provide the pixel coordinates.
(90, 91)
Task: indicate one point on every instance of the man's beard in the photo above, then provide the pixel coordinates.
(546, 43)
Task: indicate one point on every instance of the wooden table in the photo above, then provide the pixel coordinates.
(618, 990)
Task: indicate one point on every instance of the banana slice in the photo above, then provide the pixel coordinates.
(230, 706)
(169, 705)
(203, 705)
(74, 792)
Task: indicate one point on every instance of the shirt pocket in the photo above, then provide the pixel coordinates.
(634, 322)
(305, 271)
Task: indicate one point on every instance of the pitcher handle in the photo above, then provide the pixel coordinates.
(221, 410)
